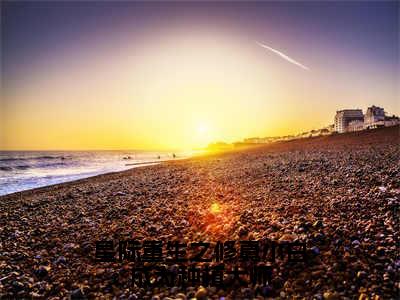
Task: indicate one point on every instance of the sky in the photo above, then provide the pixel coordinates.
(159, 75)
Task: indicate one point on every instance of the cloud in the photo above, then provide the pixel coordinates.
(284, 56)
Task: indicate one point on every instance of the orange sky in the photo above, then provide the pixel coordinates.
(173, 87)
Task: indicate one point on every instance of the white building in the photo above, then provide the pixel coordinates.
(392, 121)
(344, 117)
(355, 125)
(374, 117)
(254, 140)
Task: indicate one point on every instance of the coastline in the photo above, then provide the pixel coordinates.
(323, 189)
(340, 138)
(84, 176)
(72, 182)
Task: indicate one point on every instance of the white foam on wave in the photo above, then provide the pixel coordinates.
(23, 170)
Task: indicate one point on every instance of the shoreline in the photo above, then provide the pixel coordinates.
(212, 153)
(320, 190)
(134, 166)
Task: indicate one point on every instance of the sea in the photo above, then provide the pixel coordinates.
(24, 170)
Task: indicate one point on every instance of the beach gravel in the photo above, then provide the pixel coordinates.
(340, 194)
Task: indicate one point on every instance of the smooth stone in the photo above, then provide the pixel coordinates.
(318, 224)
(277, 282)
(315, 250)
(331, 296)
(181, 296)
(201, 294)
(61, 260)
(267, 291)
(41, 272)
(77, 294)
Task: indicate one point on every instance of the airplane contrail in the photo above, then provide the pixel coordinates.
(284, 56)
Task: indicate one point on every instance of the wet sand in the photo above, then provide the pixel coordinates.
(339, 194)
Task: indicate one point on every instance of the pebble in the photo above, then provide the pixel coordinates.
(267, 291)
(318, 224)
(61, 260)
(363, 296)
(331, 296)
(340, 204)
(77, 294)
(41, 272)
(315, 250)
(277, 282)
(201, 294)
(361, 274)
(18, 286)
(242, 231)
(181, 296)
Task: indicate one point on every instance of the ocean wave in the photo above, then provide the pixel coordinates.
(43, 157)
(12, 159)
(52, 165)
(50, 157)
(5, 168)
(22, 170)
(37, 166)
(22, 167)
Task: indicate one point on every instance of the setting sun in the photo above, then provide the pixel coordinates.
(202, 128)
(199, 149)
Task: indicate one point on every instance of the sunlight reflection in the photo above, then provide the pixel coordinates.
(215, 208)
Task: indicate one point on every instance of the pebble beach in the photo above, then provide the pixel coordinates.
(340, 194)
